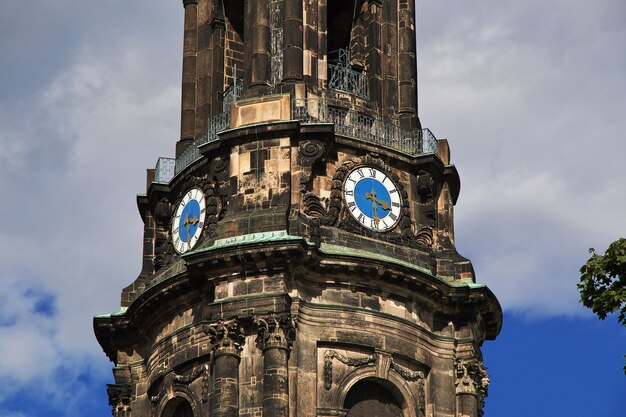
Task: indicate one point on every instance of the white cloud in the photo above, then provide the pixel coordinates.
(73, 156)
(529, 95)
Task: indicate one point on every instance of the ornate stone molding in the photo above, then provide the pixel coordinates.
(329, 355)
(410, 375)
(226, 336)
(197, 372)
(119, 399)
(472, 378)
(276, 331)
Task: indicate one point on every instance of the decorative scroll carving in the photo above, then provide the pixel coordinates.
(407, 374)
(219, 164)
(309, 152)
(424, 235)
(276, 331)
(313, 206)
(425, 186)
(329, 355)
(191, 376)
(119, 399)
(472, 378)
(418, 376)
(226, 335)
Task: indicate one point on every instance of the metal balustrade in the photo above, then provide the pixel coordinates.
(233, 92)
(164, 170)
(342, 77)
(363, 127)
(349, 123)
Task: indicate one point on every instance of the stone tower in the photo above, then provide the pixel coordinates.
(299, 255)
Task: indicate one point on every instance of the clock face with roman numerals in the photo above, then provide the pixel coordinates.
(189, 220)
(372, 199)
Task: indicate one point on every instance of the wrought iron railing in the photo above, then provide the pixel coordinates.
(233, 92)
(360, 126)
(217, 124)
(349, 123)
(342, 77)
(164, 170)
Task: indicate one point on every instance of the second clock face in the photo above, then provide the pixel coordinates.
(188, 220)
(372, 199)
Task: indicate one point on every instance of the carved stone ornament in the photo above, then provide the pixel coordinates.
(119, 399)
(309, 152)
(163, 211)
(226, 335)
(191, 376)
(472, 378)
(197, 372)
(329, 355)
(418, 376)
(276, 331)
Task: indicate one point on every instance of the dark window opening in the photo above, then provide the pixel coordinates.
(370, 399)
(178, 407)
(183, 410)
(345, 28)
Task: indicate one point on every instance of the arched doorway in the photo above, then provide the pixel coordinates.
(369, 398)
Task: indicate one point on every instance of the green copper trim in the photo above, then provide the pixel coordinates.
(343, 250)
(274, 236)
(120, 312)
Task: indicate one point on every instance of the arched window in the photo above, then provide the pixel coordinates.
(178, 407)
(369, 398)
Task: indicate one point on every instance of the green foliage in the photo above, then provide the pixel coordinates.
(603, 281)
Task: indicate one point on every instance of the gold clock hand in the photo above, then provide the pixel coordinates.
(372, 196)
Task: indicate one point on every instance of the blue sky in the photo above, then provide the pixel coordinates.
(531, 96)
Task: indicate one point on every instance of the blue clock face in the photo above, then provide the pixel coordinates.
(189, 220)
(372, 199)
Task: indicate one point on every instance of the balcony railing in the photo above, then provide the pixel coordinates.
(363, 127)
(347, 123)
(233, 92)
(217, 124)
(164, 170)
(342, 77)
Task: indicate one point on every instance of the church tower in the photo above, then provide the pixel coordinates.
(298, 253)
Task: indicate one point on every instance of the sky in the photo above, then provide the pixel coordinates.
(531, 96)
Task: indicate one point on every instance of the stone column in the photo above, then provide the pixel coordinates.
(471, 383)
(292, 41)
(227, 337)
(259, 40)
(119, 399)
(188, 100)
(276, 335)
(407, 65)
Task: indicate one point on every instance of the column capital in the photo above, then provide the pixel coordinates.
(275, 331)
(227, 336)
(119, 399)
(472, 379)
